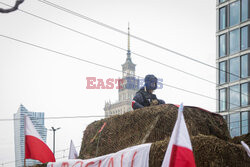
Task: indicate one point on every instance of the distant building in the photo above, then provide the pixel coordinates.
(129, 86)
(233, 62)
(37, 119)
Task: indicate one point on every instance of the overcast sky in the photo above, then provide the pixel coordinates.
(47, 82)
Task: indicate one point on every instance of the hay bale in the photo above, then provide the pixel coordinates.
(209, 151)
(149, 124)
(238, 139)
(212, 145)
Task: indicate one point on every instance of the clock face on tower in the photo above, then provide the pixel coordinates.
(128, 73)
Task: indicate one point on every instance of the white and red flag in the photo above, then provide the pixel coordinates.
(35, 148)
(72, 151)
(179, 152)
(245, 146)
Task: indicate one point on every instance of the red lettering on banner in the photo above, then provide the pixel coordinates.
(120, 82)
(111, 161)
(90, 163)
(100, 84)
(78, 163)
(90, 84)
(133, 159)
(100, 162)
(122, 159)
(65, 164)
(110, 84)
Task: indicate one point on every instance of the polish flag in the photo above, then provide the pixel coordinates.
(72, 151)
(179, 152)
(35, 148)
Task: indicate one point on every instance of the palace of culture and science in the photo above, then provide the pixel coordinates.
(129, 86)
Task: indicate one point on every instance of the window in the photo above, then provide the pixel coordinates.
(222, 101)
(226, 117)
(222, 74)
(222, 48)
(222, 1)
(222, 19)
(244, 10)
(244, 66)
(234, 13)
(234, 46)
(244, 38)
(244, 123)
(234, 69)
(244, 94)
(235, 124)
(234, 96)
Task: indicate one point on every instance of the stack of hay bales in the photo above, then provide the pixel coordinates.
(209, 134)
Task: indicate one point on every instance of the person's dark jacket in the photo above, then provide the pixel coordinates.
(143, 98)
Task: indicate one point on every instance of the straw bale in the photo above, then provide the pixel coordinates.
(238, 139)
(209, 151)
(149, 124)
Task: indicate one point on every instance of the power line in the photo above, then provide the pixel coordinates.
(113, 45)
(139, 55)
(146, 41)
(62, 117)
(124, 49)
(120, 31)
(133, 36)
(66, 149)
(90, 62)
(149, 42)
(118, 48)
(103, 66)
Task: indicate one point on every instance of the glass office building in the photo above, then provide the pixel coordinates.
(37, 119)
(233, 61)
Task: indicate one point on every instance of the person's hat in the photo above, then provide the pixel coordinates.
(150, 82)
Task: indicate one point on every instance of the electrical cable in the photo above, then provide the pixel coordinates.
(133, 36)
(103, 66)
(62, 117)
(122, 48)
(113, 45)
(146, 41)
(125, 50)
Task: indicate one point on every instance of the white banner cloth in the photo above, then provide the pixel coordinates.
(136, 156)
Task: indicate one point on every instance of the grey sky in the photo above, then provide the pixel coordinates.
(47, 82)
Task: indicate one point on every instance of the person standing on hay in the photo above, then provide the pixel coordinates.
(145, 97)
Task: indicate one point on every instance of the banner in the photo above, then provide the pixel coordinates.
(136, 156)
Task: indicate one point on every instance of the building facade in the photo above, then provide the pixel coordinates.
(233, 64)
(129, 85)
(37, 119)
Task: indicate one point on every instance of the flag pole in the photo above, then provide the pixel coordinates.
(24, 162)
(100, 133)
(98, 143)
